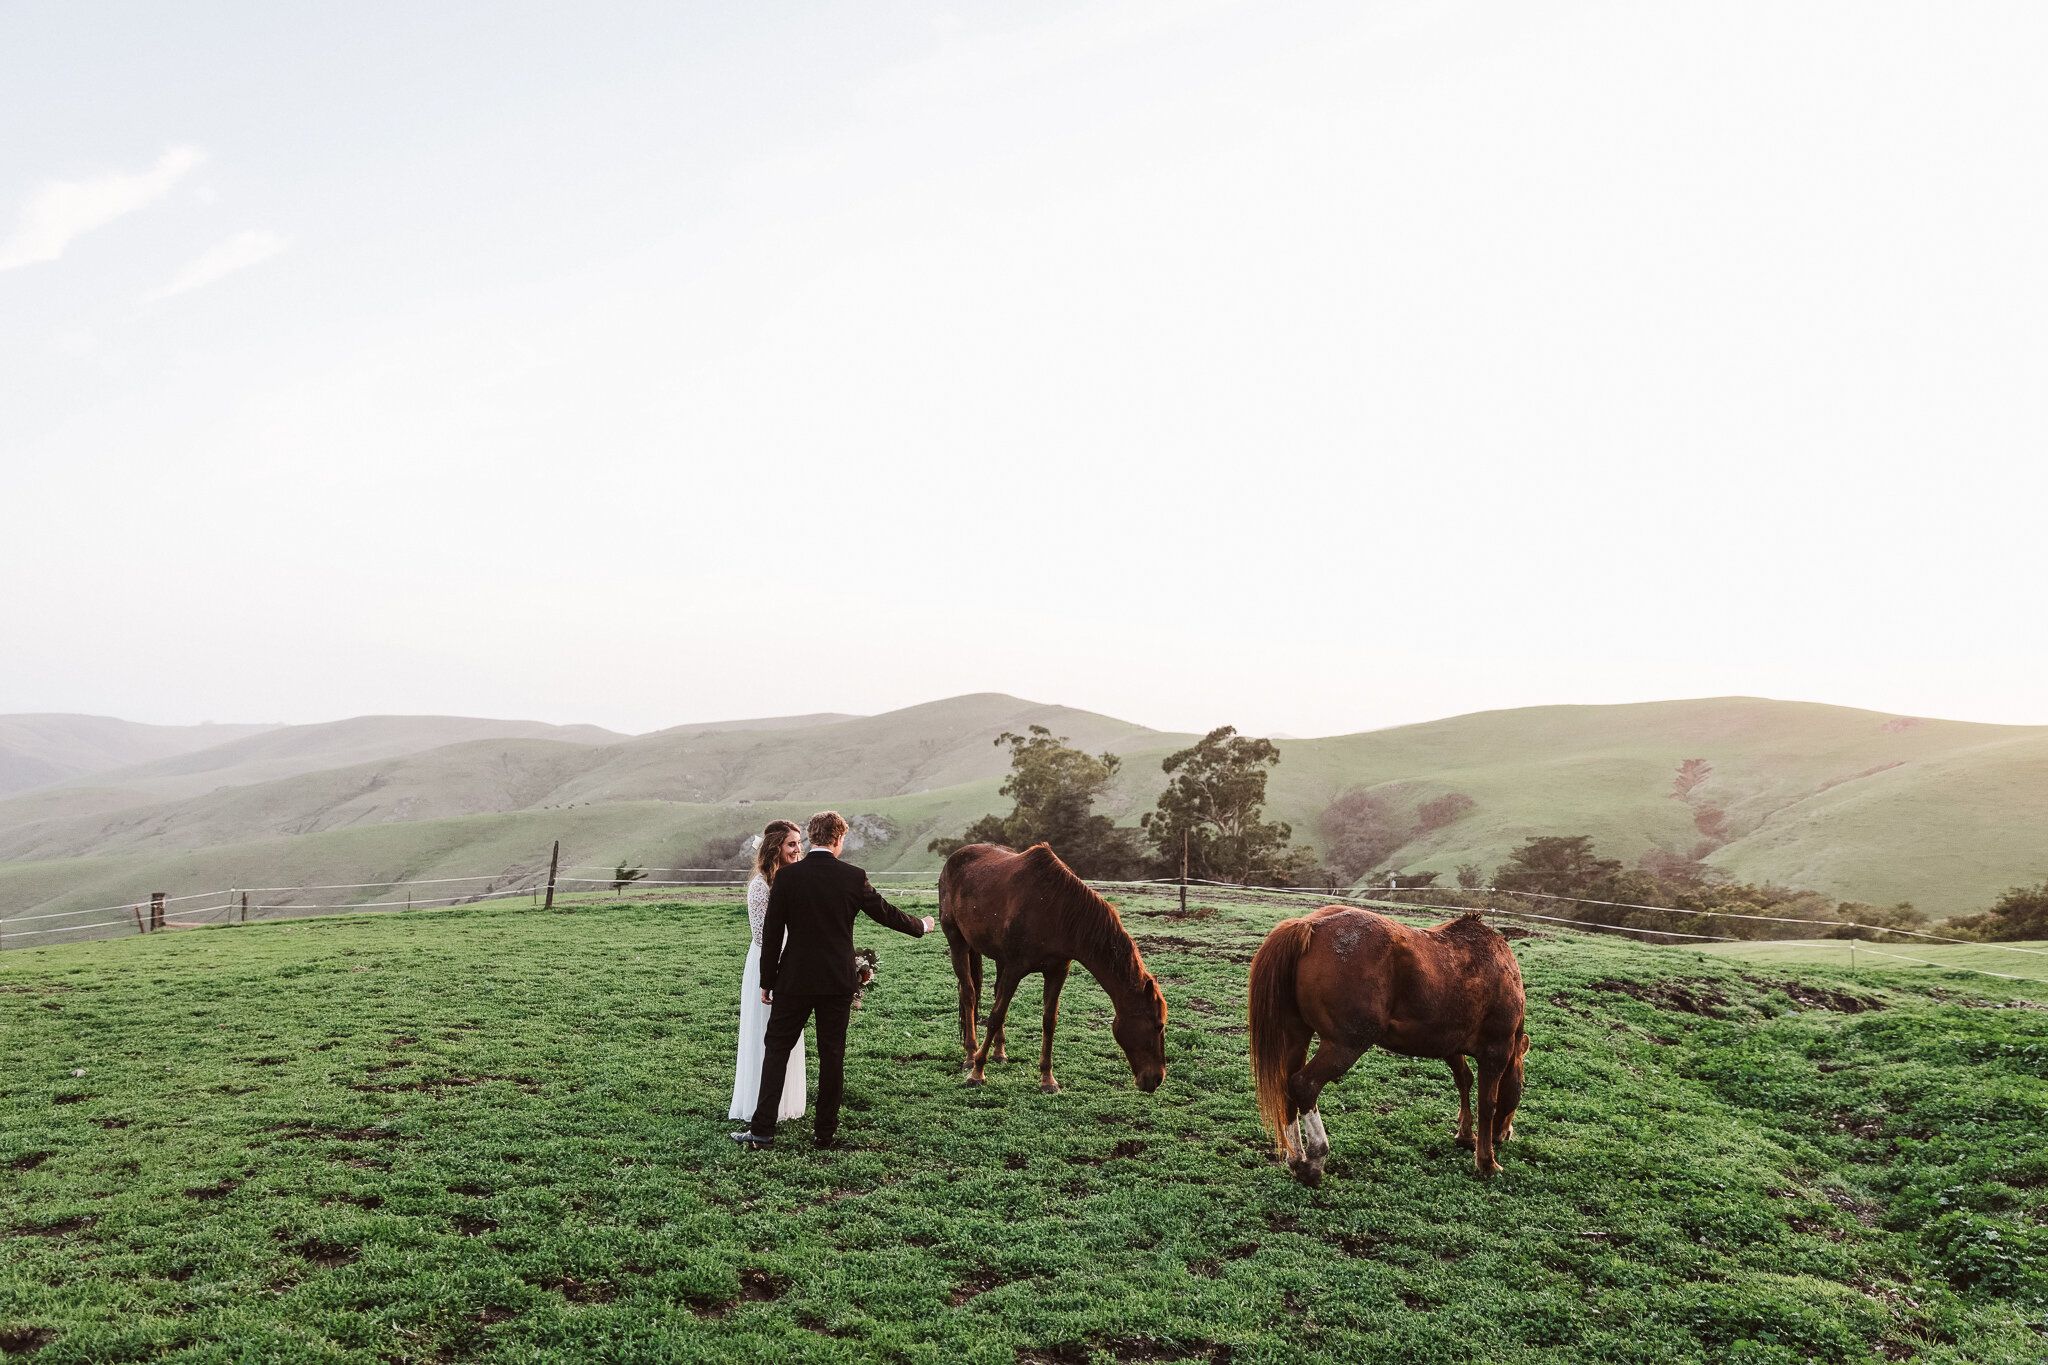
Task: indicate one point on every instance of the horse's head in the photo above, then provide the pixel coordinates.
(1140, 1030)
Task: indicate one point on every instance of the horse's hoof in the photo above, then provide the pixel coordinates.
(1307, 1172)
(1317, 1145)
(1048, 1087)
(977, 1080)
(1468, 1143)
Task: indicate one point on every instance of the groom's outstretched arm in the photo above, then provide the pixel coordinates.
(880, 911)
(772, 930)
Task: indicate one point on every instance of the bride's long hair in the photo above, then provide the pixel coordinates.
(768, 855)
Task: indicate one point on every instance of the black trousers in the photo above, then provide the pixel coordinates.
(786, 1018)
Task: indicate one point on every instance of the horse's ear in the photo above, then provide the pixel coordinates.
(1523, 1050)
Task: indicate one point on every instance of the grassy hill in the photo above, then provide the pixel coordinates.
(498, 1135)
(295, 749)
(38, 750)
(1858, 804)
(934, 747)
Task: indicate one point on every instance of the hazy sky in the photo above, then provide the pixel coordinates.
(1308, 367)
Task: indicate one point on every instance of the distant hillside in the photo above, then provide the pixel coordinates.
(1862, 805)
(287, 751)
(39, 750)
(935, 746)
(1858, 804)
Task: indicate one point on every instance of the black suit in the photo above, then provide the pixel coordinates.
(815, 901)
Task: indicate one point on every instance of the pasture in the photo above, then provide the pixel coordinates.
(498, 1134)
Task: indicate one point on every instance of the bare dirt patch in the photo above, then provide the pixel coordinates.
(583, 1291)
(756, 1286)
(63, 1229)
(21, 1341)
(1818, 997)
(1687, 997)
(974, 1286)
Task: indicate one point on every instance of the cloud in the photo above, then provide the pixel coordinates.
(238, 252)
(63, 210)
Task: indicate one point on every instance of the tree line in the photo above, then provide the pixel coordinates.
(1210, 819)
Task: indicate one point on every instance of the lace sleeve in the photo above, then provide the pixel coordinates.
(757, 906)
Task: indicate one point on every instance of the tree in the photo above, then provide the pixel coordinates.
(1359, 829)
(1556, 865)
(1449, 808)
(1054, 788)
(1214, 803)
(623, 876)
(1691, 773)
(2021, 912)
(1471, 876)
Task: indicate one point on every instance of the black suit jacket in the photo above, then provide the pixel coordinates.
(815, 899)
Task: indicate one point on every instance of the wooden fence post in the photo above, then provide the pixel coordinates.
(138, 919)
(1183, 872)
(245, 907)
(156, 910)
(554, 860)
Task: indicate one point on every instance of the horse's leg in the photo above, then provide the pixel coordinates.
(1304, 1089)
(967, 975)
(977, 994)
(1492, 1064)
(998, 1029)
(1463, 1075)
(1510, 1097)
(1006, 986)
(1055, 978)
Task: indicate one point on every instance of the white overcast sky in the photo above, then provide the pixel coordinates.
(1308, 367)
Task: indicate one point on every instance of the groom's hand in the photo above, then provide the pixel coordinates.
(767, 997)
(930, 924)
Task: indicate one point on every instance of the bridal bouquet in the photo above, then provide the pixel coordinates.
(865, 963)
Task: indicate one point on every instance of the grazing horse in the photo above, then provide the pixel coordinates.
(1359, 980)
(1030, 913)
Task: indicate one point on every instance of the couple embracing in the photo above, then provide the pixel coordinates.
(801, 907)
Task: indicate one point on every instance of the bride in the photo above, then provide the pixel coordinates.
(781, 844)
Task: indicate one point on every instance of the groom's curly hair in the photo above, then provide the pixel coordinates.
(826, 828)
(768, 854)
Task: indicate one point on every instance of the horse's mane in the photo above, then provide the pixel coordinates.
(1091, 924)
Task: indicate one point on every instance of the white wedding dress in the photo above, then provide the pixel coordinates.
(746, 1082)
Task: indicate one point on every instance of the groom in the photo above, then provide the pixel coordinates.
(814, 900)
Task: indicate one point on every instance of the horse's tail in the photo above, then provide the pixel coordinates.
(1276, 1021)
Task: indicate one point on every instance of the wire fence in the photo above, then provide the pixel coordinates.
(252, 904)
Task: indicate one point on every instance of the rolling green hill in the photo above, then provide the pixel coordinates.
(1859, 804)
(293, 749)
(40, 749)
(1854, 803)
(932, 747)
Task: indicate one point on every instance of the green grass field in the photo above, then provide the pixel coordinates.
(497, 1134)
(2029, 967)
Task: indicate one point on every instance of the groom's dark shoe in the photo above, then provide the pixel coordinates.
(749, 1138)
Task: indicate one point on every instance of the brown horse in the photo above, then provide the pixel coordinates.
(1359, 980)
(1031, 914)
